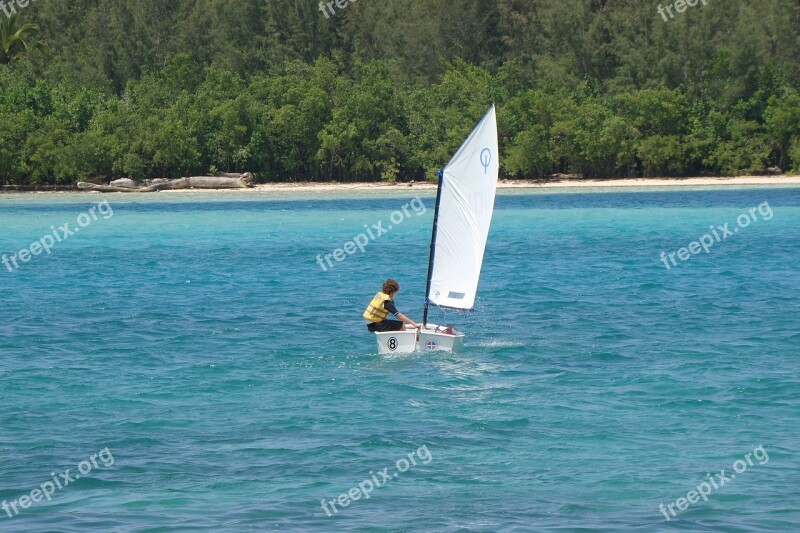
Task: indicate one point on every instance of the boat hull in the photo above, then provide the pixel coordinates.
(431, 341)
(397, 342)
(426, 340)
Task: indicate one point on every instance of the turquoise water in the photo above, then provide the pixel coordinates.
(193, 341)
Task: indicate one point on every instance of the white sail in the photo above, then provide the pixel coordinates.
(466, 204)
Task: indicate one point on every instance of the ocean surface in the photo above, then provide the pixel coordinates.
(197, 363)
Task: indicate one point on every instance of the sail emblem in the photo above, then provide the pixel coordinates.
(486, 159)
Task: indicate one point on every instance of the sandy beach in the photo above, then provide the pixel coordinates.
(548, 184)
(589, 185)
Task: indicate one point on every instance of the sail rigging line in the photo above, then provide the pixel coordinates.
(432, 253)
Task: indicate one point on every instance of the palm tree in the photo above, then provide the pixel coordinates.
(15, 42)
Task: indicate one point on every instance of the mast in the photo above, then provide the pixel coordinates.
(433, 246)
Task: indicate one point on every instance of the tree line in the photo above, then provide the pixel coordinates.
(388, 90)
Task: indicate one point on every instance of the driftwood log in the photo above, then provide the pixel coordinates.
(229, 181)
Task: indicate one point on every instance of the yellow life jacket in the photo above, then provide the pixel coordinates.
(375, 311)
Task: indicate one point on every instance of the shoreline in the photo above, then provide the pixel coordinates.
(503, 184)
(544, 184)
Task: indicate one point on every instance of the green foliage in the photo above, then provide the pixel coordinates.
(442, 115)
(388, 91)
(782, 120)
(366, 137)
(794, 154)
(17, 40)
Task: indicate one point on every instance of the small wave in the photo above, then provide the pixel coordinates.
(498, 344)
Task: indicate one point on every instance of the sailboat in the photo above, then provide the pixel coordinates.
(461, 220)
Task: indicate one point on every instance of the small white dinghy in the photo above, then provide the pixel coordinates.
(428, 339)
(463, 214)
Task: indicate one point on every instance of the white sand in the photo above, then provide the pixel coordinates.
(575, 185)
(546, 184)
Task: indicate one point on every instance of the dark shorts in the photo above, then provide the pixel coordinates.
(385, 325)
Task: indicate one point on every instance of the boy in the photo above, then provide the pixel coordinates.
(380, 307)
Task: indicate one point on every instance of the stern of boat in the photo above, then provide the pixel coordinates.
(432, 339)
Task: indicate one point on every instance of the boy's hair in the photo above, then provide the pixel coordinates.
(390, 286)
